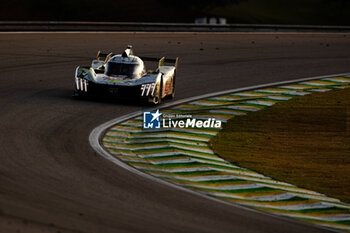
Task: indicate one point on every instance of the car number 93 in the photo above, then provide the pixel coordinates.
(148, 89)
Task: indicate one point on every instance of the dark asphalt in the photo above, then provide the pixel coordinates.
(50, 178)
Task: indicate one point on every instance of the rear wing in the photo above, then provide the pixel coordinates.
(165, 60)
(106, 56)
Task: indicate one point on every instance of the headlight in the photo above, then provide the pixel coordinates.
(148, 89)
(81, 84)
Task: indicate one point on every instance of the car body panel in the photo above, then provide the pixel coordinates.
(124, 75)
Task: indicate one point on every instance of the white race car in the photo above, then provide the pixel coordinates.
(124, 76)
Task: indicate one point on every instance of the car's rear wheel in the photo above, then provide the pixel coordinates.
(173, 90)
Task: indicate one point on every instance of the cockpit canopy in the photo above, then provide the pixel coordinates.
(131, 66)
(121, 69)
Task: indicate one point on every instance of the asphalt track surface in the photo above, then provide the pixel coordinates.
(51, 180)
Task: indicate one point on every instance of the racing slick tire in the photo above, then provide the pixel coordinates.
(172, 96)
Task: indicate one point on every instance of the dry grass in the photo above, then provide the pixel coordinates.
(304, 141)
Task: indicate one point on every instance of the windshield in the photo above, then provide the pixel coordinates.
(120, 69)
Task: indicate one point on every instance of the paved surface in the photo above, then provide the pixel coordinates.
(50, 178)
(185, 158)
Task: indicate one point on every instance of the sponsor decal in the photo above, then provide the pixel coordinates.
(82, 72)
(152, 120)
(115, 81)
(119, 77)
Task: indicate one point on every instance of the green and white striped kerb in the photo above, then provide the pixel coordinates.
(183, 157)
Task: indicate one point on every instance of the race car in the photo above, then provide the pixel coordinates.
(124, 76)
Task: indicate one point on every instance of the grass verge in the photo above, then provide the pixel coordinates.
(304, 141)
